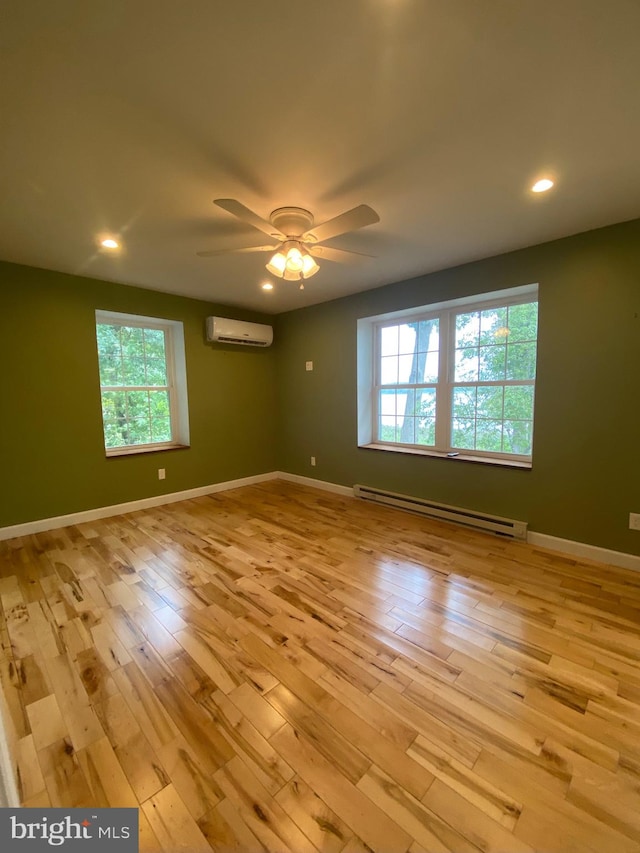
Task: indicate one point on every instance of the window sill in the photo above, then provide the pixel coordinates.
(459, 457)
(134, 451)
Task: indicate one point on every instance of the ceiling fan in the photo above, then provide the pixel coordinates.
(298, 241)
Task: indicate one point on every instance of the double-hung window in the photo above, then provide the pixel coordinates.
(453, 379)
(142, 383)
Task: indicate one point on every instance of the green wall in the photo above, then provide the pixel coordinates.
(254, 411)
(586, 459)
(52, 459)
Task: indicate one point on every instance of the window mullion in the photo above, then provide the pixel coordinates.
(375, 403)
(443, 392)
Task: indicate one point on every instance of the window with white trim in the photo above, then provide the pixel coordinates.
(142, 383)
(453, 379)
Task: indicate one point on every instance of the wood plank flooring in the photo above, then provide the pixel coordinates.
(277, 668)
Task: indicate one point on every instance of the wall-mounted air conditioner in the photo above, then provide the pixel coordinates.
(225, 331)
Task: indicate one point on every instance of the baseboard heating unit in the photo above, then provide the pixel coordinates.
(479, 520)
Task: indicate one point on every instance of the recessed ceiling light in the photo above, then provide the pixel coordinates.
(542, 185)
(267, 286)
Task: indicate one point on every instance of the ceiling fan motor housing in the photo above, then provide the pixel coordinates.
(292, 221)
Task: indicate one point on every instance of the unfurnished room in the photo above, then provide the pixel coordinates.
(319, 445)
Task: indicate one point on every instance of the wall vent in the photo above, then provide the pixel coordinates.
(469, 518)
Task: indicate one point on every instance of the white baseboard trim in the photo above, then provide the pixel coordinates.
(542, 540)
(131, 506)
(584, 551)
(315, 484)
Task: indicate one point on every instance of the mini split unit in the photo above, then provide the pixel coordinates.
(224, 331)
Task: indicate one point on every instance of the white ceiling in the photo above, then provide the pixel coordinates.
(130, 117)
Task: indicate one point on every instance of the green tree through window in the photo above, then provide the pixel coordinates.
(136, 383)
(493, 390)
(460, 378)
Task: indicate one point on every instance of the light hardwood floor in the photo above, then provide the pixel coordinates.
(277, 668)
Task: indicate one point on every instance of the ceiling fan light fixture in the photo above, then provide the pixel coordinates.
(309, 266)
(109, 243)
(294, 256)
(278, 264)
(292, 262)
(542, 186)
(292, 227)
(292, 275)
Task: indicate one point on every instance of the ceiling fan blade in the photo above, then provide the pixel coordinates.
(231, 205)
(214, 252)
(351, 220)
(339, 256)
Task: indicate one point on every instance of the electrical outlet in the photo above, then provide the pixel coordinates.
(309, 365)
(313, 461)
(634, 521)
(161, 473)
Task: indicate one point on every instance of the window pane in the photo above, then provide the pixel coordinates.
(387, 429)
(389, 370)
(156, 373)
(405, 411)
(407, 369)
(407, 416)
(523, 322)
(161, 429)
(159, 404)
(426, 431)
(109, 355)
(387, 416)
(493, 326)
(113, 436)
(110, 372)
(428, 335)
(464, 403)
(108, 341)
(133, 372)
(463, 434)
(154, 343)
(113, 405)
(467, 330)
(426, 420)
(492, 363)
(132, 342)
(518, 402)
(406, 402)
(408, 337)
(389, 340)
(407, 427)
(518, 437)
(139, 431)
(426, 402)
(521, 361)
(488, 435)
(430, 370)
(387, 404)
(137, 404)
(490, 400)
(466, 365)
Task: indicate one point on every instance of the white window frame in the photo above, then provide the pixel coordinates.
(369, 366)
(176, 379)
